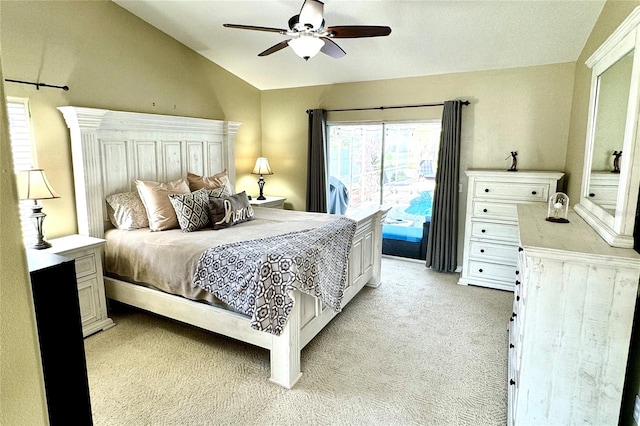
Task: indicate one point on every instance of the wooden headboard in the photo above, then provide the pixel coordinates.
(111, 149)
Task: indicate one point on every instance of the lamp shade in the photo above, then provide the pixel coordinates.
(34, 185)
(306, 46)
(262, 167)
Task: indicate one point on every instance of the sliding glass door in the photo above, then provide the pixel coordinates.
(391, 164)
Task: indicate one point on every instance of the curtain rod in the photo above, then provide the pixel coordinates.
(389, 107)
(38, 85)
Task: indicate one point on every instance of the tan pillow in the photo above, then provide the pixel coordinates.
(155, 197)
(219, 180)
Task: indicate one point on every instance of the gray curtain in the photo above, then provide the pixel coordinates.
(317, 162)
(442, 244)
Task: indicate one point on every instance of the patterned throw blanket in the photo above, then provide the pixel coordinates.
(255, 277)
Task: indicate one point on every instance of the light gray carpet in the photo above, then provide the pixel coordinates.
(418, 350)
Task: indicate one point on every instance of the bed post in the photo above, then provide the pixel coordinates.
(376, 274)
(285, 349)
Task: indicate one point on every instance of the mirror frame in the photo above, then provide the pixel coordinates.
(617, 229)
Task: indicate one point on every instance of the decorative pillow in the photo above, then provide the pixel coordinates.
(217, 192)
(219, 180)
(126, 211)
(192, 209)
(228, 211)
(155, 197)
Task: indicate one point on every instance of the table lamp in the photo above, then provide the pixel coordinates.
(33, 185)
(262, 168)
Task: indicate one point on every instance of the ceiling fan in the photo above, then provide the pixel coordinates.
(309, 35)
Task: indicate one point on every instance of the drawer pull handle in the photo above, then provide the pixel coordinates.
(517, 298)
(480, 270)
(534, 192)
(517, 272)
(591, 194)
(481, 250)
(513, 315)
(511, 319)
(511, 345)
(517, 282)
(484, 210)
(512, 382)
(520, 249)
(483, 231)
(486, 190)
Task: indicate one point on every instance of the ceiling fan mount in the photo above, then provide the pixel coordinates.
(308, 34)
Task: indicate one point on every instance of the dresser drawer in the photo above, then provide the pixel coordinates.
(512, 191)
(492, 271)
(603, 194)
(495, 231)
(495, 210)
(493, 252)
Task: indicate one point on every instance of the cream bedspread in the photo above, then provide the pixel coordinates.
(167, 260)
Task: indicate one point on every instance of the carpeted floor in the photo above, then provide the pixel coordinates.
(418, 350)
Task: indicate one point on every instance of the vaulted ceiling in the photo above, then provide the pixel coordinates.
(428, 36)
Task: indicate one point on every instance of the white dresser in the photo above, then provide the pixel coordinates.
(570, 329)
(87, 253)
(491, 227)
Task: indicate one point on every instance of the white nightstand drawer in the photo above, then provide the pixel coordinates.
(512, 190)
(87, 299)
(86, 265)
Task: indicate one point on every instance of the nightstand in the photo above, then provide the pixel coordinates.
(271, 202)
(87, 253)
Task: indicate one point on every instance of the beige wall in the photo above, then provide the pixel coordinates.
(521, 109)
(111, 59)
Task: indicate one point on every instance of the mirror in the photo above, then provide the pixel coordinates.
(611, 174)
(612, 94)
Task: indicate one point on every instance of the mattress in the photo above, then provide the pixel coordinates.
(166, 260)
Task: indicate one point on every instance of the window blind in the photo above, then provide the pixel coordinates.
(21, 148)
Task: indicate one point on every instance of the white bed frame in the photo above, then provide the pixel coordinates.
(112, 148)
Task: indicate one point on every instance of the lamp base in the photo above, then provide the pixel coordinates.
(37, 216)
(261, 186)
(41, 245)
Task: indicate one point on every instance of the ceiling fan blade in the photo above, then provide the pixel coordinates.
(274, 48)
(251, 27)
(332, 49)
(354, 31)
(311, 14)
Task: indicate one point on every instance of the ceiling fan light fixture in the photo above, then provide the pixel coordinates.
(306, 46)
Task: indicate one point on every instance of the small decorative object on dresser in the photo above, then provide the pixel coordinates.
(491, 224)
(514, 161)
(269, 201)
(87, 253)
(616, 161)
(558, 208)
